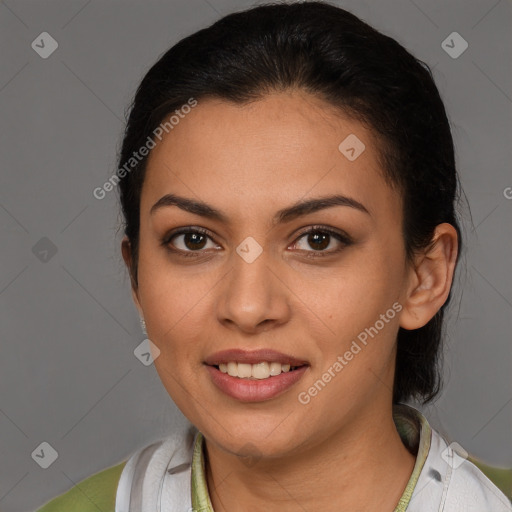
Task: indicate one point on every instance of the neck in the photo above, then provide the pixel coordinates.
(363, 466)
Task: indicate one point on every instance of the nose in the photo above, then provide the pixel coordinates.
(253, 297)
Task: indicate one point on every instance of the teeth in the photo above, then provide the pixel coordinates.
(262, 370)
(233, 369)
(259, 371)
(244, 370)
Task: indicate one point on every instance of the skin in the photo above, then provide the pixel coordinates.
(341, 451)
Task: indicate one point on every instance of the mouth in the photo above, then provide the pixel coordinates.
(254, 376)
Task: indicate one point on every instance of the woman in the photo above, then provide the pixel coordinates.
(292, 239)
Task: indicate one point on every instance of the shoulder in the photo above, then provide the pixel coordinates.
(97, 492)
(470, 489)
(450, 481)
(117, 483)
(501, 477)
(162, 468)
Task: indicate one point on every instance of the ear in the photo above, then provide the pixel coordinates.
(127, 257)
(430, 278)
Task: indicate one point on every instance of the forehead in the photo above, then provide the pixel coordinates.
(276, 150)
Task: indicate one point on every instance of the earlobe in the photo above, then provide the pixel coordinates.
(432, 279)
(127, 257)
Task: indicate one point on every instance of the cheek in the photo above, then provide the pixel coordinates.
(360, 306)
(363, 290)
(170, 296)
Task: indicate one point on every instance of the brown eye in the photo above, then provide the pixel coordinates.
(320, 239)
(194, 241)
(188, 240)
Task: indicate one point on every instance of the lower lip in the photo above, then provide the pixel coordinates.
(258, 390)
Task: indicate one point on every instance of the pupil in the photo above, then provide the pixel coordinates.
(195, 239)
(318, 239)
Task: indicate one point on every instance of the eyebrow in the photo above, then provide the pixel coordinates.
(285, 215)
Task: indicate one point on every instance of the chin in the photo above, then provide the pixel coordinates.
(256, 441)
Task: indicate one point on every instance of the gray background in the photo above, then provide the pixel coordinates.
(68, 375)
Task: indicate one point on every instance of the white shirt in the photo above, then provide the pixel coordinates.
(157, 478)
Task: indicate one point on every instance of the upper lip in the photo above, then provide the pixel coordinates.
(252, 357)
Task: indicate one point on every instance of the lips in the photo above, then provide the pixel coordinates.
(246, 390)
(254, 390)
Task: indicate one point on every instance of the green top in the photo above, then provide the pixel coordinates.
(98, 492)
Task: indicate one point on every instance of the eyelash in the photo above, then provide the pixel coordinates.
(343, 238)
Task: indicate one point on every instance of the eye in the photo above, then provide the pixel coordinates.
(192, 241)
(322, 240)
(189, 239)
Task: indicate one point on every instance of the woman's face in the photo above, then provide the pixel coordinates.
(257, 281)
